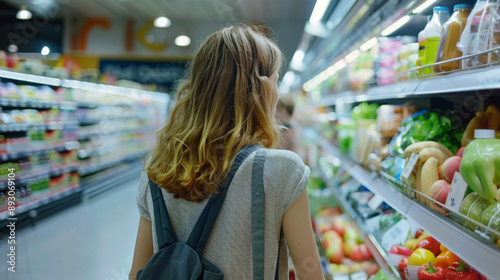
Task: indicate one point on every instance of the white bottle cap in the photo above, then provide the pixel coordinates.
(484, 134)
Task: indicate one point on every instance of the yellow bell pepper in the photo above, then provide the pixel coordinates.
(420, 257)
(411, 243)
(423, 236)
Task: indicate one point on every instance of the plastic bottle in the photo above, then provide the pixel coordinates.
(450, 35)
(421, 46)
(432, 35)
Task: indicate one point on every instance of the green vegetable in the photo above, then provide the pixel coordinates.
(480, 166)
(381, 275)
(364, 111)
(428, 126)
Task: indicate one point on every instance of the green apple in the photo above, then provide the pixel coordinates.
(473, 207)
(491, 219)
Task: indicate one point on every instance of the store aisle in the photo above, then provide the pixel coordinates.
(91, 241)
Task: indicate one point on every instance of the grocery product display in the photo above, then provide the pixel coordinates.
(422, 139)
(52, 137)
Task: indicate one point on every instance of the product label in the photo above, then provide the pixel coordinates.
(397, 234)
(409, 166)
(457, 192)
(431, 48)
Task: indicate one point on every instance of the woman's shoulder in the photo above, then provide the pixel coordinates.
(284, 164)
(284, 157)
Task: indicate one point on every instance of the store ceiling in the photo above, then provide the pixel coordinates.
(286, 19)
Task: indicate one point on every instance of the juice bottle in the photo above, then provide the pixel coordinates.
(421, 47)
(432, 35)
(450, 35)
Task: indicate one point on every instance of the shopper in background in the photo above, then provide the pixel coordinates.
(284, 115)
(227, 102)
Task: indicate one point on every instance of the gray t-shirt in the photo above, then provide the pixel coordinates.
(229, 247)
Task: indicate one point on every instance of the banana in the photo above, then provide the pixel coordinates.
(427, 153)
(417, 147)
(429, 175)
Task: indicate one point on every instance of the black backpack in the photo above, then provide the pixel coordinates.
(179, 260)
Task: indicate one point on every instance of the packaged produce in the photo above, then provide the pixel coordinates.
(400, 250)
(480, 166)
(481, 33)
(431, 272)
(403, 264)
(432, 36)
(489, 119)
(446, 258)
(431, 244)
(420, 257)
(473, 207)
(461, 271)
(491, 218)
(439, 192)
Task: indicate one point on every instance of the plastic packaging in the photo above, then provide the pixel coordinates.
(432, 36)
(450, 35)
(481, 33)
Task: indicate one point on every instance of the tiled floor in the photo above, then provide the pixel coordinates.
(91, 241)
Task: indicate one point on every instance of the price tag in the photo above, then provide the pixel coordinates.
(457, 192)
(409, 166)
(375, 202)
(397, 234)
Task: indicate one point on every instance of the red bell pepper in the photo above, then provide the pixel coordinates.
(430, 244)
(400, 250)
(430, 272)
(402, 266)
(461, 271)
(418, 232)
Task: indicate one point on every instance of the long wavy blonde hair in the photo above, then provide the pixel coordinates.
(227, 102)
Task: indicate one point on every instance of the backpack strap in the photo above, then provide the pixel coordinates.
(203, 227)
(165, 234)
(258, 216)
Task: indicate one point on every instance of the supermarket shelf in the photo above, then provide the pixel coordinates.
(87, 170)
(41, 201)
(54, 172)
(373, 244)
(86, 153)
(19, 127)
(92, 105)
(476, 251)
(96, 134)
(36, 104)
(56, 82)
(68, 146)
(91, 121)
(464, 81)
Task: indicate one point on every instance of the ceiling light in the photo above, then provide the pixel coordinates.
(23, 13)
(45, 50)
(424, 6)
(395, 26)
(369, 44)
(352, 56)
(182, 41)
(12, 48)
(319, 10)
(162, 22)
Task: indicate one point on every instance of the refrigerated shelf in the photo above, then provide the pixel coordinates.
(477, 80)
(370, 240)
(477, 252)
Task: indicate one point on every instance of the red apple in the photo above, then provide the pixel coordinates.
(360, 253)
(349, 246)
(439, 191)
(460, 151)
(450, 166)
(339, 225)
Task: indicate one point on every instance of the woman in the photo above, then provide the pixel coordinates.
(228, 102)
